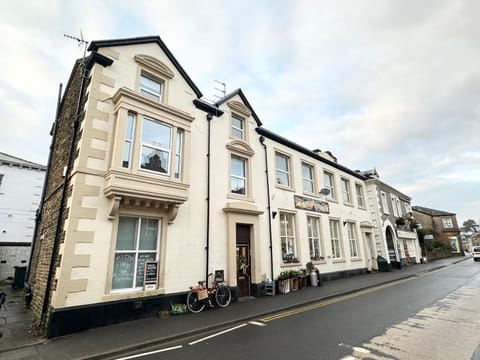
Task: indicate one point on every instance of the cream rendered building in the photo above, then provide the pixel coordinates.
(144, 171)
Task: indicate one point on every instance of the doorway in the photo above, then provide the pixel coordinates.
(243, 260)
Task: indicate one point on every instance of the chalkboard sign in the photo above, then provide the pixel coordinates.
(151, 272)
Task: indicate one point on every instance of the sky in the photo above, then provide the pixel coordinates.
(387, 84)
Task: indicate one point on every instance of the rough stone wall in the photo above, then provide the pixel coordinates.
(47, 226)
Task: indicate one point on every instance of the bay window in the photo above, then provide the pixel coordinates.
(156, 140)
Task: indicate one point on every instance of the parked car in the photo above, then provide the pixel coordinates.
(476, 253)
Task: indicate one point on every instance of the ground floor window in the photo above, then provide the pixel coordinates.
(352, 239)
(287, 237)
(313, 224)
(335, 239)
(137, 242)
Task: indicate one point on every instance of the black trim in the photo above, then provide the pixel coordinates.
(240, 93)
(95, 45)
(96, 58)
(208, 108)
(303, 150)
(13, 243)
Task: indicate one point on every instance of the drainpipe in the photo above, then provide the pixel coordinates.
(209, 120)
(76, 122)
(39, 213)
(262, 140)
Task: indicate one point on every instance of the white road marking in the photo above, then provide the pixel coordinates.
(150, 353)
(217, 334)
(257, 323)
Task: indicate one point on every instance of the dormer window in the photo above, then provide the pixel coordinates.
(238, 128)
(151, 87)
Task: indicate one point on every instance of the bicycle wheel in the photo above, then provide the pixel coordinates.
(223, 296)
(193, 304)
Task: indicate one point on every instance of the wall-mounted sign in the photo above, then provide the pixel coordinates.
(304, 203)
(406, 234)
(151, 275)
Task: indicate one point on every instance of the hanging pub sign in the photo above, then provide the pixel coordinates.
(304, 203)
(151, 275)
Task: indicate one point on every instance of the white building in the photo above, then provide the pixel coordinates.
(21, 185)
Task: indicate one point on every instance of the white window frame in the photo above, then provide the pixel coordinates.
(168, 150)
(352, 239)
(287, 241)
(447, 223)
(149, 92)
(136, 251)
(287, 171)
(313, 222)
(129, 141)
(346, 191)
(239, 177)
(335, 239)
(394, 205)
(234, 128)
(330, 185)
(308, 180)
(383, 195)
(360, 195)
(178, 153)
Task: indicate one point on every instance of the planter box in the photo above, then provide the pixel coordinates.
(284, 286)
(294, 284)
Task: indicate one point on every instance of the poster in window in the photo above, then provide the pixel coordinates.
(151, 275)
(142, 260)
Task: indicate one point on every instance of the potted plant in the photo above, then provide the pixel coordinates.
(292, 275)
(283, 283)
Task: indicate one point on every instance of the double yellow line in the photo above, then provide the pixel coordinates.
(330, 301)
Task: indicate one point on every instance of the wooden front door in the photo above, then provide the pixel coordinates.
(243, 260)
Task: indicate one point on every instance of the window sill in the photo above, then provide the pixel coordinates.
(285, 265)
(284, 187)
(240, 197)
(332, 200)
(306, 193)
(131, 294)
(348, 204)
(356, 259)
(318, 262)
(338, 261)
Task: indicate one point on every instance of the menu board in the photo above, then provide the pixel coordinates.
(151, 272)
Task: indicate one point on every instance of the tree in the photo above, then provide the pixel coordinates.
(470, 225)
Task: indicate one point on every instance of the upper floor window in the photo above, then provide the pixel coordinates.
(156, 139)
(329, 183)
(137, 242)
(238, 177)
(282, 169)
(128, 144)
(1, 180)
(347, 199)
(384, 203)
(307, 174)
(238, 128)
(360, 198)
(151, 87)
(447, 223)
(178, 153)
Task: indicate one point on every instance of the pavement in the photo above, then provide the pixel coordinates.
(21, 341)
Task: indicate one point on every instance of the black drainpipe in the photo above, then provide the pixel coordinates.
(209, 119)
(39, 213)
(262, 140)
(76, 122)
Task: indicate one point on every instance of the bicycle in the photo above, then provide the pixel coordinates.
(201, 295)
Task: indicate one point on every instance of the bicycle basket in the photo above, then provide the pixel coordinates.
(202, 294)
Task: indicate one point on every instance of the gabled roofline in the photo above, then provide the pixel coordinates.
(432, 212)
(7, 159)
(299, 148)
(240, 93)
(96, 44)
(390, 188)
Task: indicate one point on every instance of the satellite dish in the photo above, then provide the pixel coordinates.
(325, 191)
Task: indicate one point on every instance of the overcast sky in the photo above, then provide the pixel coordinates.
(390, 84)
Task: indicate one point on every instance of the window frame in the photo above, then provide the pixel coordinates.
(288, 172)
(130, 141)
(167, 150)
(285, 237)
(384, 199)
(310, 180)
(145, 91)
(352, 236)
(360, 195)
(311, 221)
(234, 128)
(447, 222)
(331, 186)
(336, 242)
(244, 178)
(136, 251)
(346, 191)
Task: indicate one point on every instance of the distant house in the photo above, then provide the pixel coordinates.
(441, 226)
(394, 225)
(21, 184)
